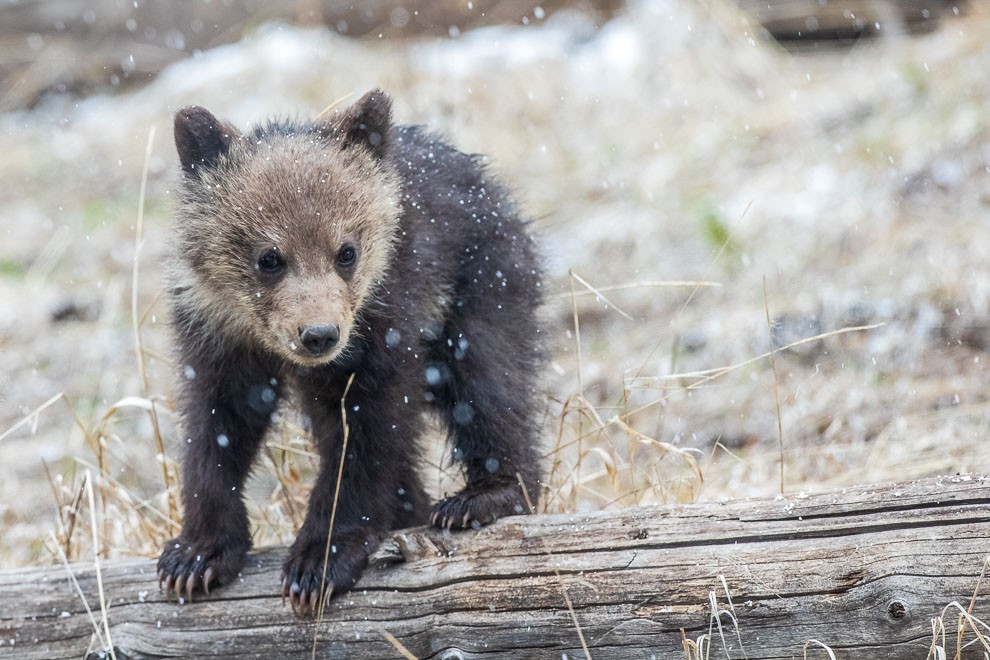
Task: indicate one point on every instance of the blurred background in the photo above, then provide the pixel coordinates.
(766, 227)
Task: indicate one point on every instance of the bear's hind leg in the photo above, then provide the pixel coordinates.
(485, 379)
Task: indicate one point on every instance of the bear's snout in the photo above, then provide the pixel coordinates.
(318, 339)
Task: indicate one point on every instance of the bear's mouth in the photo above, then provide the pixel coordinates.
(293, 353)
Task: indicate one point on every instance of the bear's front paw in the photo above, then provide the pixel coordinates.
(480, 503)
(187, 566)
(303, 578)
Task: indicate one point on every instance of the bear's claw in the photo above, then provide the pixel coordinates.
(480, 503)
(184, 567)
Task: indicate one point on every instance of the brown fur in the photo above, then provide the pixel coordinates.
(310, 254)
(284, 198)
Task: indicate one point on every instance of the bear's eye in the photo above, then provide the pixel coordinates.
(347, 256)
(271, 262)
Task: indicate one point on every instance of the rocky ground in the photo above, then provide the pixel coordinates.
(823, 189)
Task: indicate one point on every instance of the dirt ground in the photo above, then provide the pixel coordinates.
(699, 177)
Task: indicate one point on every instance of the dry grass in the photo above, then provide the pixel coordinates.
(830, 199)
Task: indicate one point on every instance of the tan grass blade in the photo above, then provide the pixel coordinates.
(32, 417)
(327, 111)
(403, 651)
(732, 610)
(560, 580)
(644, 284)
(333, 510)
(79, 591)
(820, 645)
(599, 294)
(96, 563)
(776, 384)
(136, 327)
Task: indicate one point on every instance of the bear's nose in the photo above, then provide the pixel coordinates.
(318, 339)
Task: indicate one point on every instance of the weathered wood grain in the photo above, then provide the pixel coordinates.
(863, 570)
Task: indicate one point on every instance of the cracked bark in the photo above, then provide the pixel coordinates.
(861, 569)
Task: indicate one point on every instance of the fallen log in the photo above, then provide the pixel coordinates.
(825, 20)
(58, 46)
(864, 570)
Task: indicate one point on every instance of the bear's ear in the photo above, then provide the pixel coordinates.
(200, 138)
(365, 124)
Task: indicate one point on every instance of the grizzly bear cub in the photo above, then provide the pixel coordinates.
(310, 254)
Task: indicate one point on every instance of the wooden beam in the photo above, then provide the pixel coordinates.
(863, 570)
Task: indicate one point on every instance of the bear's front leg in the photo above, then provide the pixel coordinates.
(227, 405)
(303, 576)
(378, 492)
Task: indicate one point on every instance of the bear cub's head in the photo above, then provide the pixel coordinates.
(284, 231)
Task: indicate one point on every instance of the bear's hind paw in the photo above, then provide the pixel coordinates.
(480, 503)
